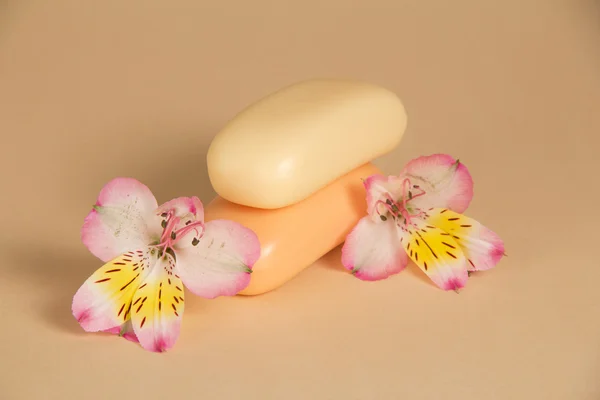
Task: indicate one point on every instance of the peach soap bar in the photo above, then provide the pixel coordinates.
(292, 143)
(294, 237)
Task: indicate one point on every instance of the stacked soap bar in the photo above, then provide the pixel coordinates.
(290, 167)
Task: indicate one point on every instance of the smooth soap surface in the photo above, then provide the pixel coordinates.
(294, 237)
(290, 144)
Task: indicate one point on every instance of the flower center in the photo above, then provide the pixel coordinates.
(175, 228)
(399, 209)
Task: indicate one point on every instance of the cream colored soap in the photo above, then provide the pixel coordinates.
(292, 143)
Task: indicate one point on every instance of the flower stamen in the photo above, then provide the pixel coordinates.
(191, 226)
(400, 208)
(171, 235)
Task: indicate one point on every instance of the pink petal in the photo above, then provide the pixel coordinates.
(125, 330)
(372, 250)
(131, 337)
(482, 247)
(447, 182)
(379, 188)
(436, 253)
(221, 263)
(157, 308)
(118, 222)
(102, 302)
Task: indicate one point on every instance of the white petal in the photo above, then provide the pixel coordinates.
(372, 250)
(221, 262)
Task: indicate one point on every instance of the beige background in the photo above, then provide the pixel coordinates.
(93, 90)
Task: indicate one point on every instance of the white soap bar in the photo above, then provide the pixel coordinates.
(292, 143)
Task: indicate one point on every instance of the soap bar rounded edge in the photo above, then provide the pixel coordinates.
(222, 181)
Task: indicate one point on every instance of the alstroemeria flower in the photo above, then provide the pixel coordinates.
(417, 215)
(151, 252)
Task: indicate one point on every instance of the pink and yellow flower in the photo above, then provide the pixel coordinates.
(151, 252)
(418, 215)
